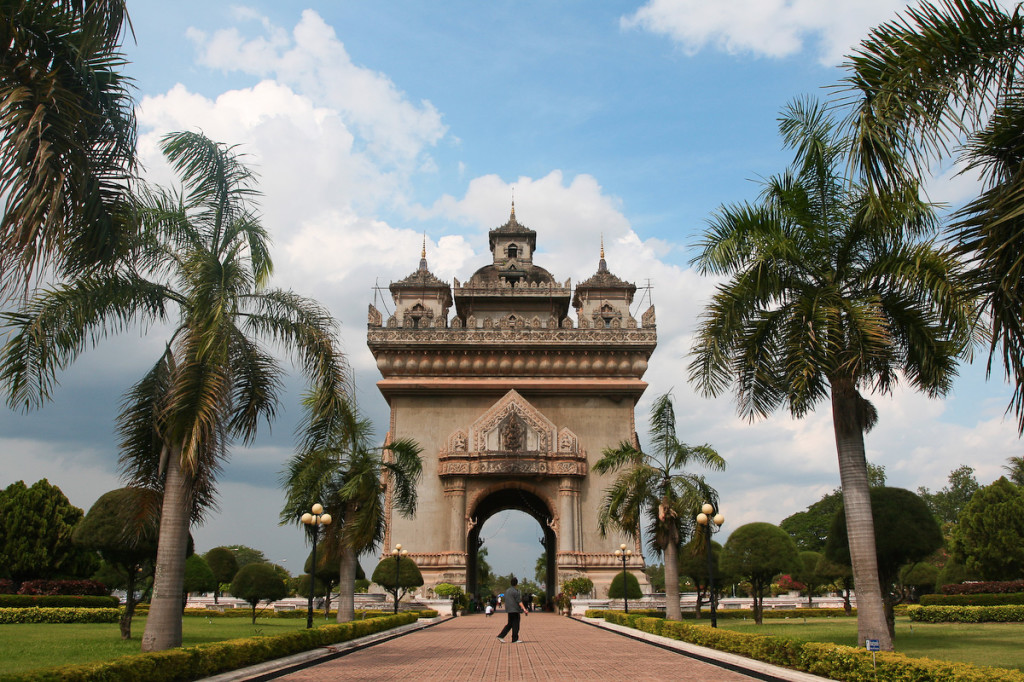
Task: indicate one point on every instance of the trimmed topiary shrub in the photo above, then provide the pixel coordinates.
(35, 614)
(989, 587)
(91, 588)
(14, 601)
(967, 614)
(972, 599)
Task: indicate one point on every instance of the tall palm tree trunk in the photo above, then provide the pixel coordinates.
(347, 581)
(672, 610)
(163, 626)
(853, 476)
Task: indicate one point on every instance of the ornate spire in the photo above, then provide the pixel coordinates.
(512, 216)
(423, 254)
(601, 265)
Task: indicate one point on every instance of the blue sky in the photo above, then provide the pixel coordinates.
(374, 123)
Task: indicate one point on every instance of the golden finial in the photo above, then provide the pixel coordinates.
(602, 246)
(423, 253)
(512, 216)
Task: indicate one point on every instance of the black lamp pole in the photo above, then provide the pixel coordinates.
(314, 520)
(398, 553)
(624, 554)
(711, 524)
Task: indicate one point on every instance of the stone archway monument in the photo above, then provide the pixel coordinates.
(512, 403)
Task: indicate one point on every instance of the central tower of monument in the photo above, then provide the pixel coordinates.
(512, 403)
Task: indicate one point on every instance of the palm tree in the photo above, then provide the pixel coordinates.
(200, 264)
(656, 486)
(825, 298)
(68, 149)
(944, 81)
(338, 467)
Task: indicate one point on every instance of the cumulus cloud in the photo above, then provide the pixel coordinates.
(315, 63)
(766, 28)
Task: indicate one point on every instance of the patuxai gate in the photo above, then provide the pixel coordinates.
(512, 403)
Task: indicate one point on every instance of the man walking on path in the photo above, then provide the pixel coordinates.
(513, 607)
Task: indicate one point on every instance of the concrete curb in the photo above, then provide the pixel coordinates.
(268, 670)
(740, 663)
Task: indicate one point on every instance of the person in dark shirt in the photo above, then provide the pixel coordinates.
(514, 608)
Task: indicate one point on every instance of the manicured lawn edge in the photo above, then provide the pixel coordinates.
(735, 614)
(819, 658)
(196, 662)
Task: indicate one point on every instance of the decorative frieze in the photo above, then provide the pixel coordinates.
(510, 466)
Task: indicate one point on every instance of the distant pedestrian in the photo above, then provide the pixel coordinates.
(514, 608)
(488, 610)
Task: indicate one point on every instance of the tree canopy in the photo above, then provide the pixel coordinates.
(632, 590)
(758, 552)
(406, 572)
(258, 582)
(36, 527)
(989, 537)
(948, 502)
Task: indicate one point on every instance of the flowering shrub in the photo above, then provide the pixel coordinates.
(990, 587)
(786, 583)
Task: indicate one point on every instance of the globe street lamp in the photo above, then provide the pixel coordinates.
(398, 553)
(624, 554)
(711, 525)
(314, 520)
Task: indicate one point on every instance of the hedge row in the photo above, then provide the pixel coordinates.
(990, 587)
(37, 614)
(986, 599)
(246, 612)
(734, 614)
(17, 601)
(818, 658)
(92, 588)
(204, 660)
(1013, 613)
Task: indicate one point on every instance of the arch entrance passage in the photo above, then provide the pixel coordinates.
(519, 499)
(506, 391)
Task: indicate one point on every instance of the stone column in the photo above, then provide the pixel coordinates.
(567, 495)
(455, 494)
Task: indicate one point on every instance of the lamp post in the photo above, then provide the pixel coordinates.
(398, 553)
(624, 554)
(711, 524)
(314, 520)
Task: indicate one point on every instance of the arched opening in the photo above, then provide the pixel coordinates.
(519, 500)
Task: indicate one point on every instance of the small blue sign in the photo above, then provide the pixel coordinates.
(872, 645)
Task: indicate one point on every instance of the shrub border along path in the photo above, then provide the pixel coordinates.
(830, 661)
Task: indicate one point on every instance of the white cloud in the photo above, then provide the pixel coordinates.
(768, 28)
(315, 63)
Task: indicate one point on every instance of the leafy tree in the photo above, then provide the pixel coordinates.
(656, 575)
(245, 555)
(408, 576)
(258, 582)
(693, 564)
(840, 575)
(632, 587)
(328, 569)
(540, 569)
(656, 486)
(942, 81)
(916, 579)
(68, 148)
(122, 525)
(807, 573)
(989, 539)
(809, 528)
(484, 573)
(758, 552)
(224, 565)
(201, 265)
(36, 526)
(338, 467)
(453, 592)
(825, 298)
(947, 503)
(198, 576)
(905, 532)
(577, 586)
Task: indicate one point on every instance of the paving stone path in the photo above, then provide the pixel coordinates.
(552, 648)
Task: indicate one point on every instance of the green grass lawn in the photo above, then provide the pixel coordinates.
(30, 646)
(993, 644)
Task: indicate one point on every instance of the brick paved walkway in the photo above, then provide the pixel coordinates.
(552, 648)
